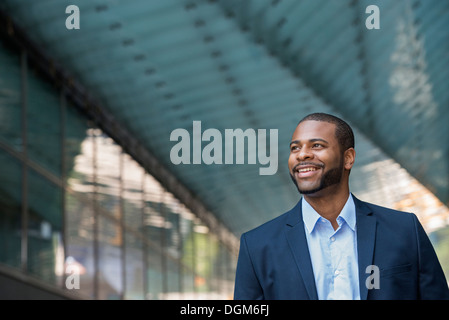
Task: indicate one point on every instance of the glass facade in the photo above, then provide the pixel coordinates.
(80, 215)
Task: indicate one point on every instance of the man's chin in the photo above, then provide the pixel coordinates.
(304, 189)
(309, 191)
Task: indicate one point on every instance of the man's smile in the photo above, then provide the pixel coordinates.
(306, 170)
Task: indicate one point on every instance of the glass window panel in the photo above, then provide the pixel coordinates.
(173, 280)
(132, 192)
(188, 285)
(132, 197)
(155, 273)
(153, 224)
(80, 241)
(79, 173)
(78, 147)
(213, 253)
(172, 245)
(206, 249)
(43, 124)
(187, 253)
(134, 268)
(201, 257)
(231, 262)
(107, 173)
(45, 253)
(225, 275)
(172, 232)
(109, 210)
(10, 210)
(110, 284)
(10, 97)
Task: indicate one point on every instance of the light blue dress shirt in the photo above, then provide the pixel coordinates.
(333, 252)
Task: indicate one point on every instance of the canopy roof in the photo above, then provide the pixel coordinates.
(156, 66)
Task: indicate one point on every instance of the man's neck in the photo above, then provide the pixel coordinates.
(329, 205)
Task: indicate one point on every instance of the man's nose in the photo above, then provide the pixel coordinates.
(304, 154)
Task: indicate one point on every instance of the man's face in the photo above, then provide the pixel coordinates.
(316, 161)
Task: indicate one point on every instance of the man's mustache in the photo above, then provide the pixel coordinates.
(320, 165)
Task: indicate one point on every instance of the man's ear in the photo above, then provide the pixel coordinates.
(349, 158)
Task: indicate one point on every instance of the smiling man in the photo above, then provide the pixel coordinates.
(332, 245)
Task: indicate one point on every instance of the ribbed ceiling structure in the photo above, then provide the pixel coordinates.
(160, 65)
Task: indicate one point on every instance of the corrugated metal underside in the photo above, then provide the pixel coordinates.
(160, 65)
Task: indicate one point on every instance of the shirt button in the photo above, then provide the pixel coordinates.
(337, 272)
(332, 239)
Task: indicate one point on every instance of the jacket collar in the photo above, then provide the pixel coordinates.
(366, 235)
(297, 241)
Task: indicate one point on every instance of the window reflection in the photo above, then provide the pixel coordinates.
(72, 202)
(79, 199)
(43, 125)
(44, 228)
(150, 246)
(10, 210)
(132, 197)
(10, 98)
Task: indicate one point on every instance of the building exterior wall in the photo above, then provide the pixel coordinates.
(80, 217)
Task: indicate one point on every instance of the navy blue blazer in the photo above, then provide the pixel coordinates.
(274, 261)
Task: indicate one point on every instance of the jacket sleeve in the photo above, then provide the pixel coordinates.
(247, 286)
(432, 282)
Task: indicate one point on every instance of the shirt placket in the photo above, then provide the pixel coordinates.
(335, 257)
(327, 232)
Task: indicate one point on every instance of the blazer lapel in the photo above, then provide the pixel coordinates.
(366, 236)
(297, 241)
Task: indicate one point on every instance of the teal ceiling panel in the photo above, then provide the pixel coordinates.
(160, 65)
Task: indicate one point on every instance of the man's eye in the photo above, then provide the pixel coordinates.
(317, 145)
(293, 148)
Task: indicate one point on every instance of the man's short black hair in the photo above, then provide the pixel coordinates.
(343, 131)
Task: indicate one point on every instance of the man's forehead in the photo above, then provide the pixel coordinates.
(311, 129)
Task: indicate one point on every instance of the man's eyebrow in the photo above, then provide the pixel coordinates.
(311, 140)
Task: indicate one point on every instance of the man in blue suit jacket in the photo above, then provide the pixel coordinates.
(332, 245)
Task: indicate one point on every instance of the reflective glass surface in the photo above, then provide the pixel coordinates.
(10, 210)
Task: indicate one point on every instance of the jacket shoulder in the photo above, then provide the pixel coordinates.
(387, 211)
(377, 209)
(387, 215)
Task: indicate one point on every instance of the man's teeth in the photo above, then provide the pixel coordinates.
(306, 169)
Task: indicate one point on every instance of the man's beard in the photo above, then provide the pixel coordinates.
(333, 176)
